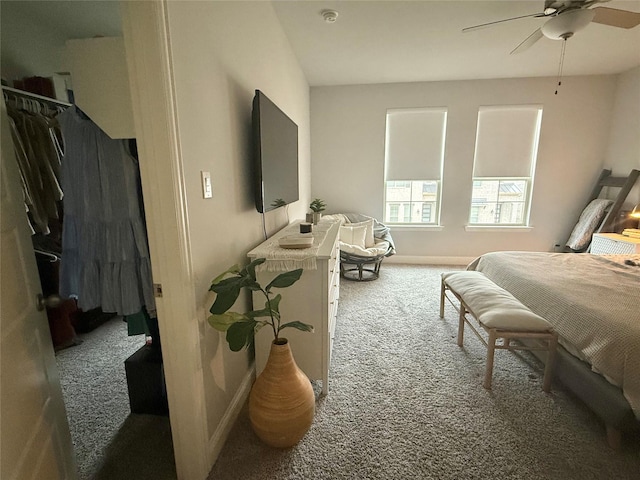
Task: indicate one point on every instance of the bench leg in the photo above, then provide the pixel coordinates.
(491, 349)
(461, 319)
(442, 287)
(551, 360)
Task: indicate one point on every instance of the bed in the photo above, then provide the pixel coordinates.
(593, 302)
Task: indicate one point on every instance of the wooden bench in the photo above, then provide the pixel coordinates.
(501, 315)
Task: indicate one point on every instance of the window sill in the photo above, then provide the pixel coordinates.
(402, 226)
(497, 228)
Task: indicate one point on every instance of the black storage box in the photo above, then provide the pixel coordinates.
(145, 381)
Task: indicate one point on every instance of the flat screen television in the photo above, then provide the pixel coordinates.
(275, 138)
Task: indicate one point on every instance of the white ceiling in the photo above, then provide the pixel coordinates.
(397, 41)
(408, 41)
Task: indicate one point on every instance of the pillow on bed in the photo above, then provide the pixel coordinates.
(589, 220)
(353, 235)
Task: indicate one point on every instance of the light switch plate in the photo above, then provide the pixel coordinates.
(207, 189)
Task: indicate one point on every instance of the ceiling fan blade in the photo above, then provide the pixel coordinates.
(616, 18)
(528, 42)
(484, 25)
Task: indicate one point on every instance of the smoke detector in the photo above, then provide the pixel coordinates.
(330, 16)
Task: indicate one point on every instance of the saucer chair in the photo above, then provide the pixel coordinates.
(364, 243)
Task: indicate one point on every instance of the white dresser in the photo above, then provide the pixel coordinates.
(614, 243)
(313, 299)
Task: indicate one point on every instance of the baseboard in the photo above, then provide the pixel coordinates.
(219, 437)
(424, 260)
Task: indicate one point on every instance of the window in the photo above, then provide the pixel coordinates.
(504, 164)
(426, 212)
(499, 201)
(394, 209)
(414, 153)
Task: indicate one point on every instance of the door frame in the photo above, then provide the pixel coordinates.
(146, 35)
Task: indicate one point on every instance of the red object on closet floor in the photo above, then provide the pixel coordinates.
(60, 318)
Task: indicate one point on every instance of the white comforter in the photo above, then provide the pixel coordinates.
(592, 301)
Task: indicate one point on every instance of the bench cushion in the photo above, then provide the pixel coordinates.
(493, 306)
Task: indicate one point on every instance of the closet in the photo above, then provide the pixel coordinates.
(100, 85)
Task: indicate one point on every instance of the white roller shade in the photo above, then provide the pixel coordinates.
(415, 143)
(506, 141)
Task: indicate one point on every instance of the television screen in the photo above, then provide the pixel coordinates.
(276, 155)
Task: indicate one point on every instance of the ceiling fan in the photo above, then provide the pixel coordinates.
(566, 17)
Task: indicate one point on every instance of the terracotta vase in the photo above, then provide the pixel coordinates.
(282, 403)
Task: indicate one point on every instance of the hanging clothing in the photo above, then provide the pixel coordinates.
(105, 255)
(35, 139)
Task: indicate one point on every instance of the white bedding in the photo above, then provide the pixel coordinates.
(592, 301)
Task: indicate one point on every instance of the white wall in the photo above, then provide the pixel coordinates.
(222, 52)
(623, 152)
(348, 129)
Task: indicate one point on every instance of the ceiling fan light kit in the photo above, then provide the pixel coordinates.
(566, 17)
(564, 26)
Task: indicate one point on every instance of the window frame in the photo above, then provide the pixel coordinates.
(437, 208)
(529, 180)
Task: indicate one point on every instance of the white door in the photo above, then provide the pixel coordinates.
(35, 442)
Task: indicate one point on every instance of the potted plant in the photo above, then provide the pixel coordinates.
(317, 206)
(282, 402)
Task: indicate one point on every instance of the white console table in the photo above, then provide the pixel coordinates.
(313, 299)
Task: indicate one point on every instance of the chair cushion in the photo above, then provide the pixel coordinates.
(353, 235)
(379, 248)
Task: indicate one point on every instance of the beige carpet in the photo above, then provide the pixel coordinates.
(111, 443)
(406, 402)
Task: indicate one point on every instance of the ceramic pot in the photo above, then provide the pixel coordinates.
(282, 403)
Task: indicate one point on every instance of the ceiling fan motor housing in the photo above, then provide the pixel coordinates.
(566, 24)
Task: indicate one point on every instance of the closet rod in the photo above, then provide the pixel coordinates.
(34, 96)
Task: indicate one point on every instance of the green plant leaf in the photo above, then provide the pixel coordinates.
(233, 269)
(225, 300)
(259, 325)
(285, 279)
(240, 328)
(275, 304)
(227, 284)
(317, 205)
(250, 270)
(251, 284)
(299, 325)
(223, 321)
(266, 311)
(240, 335)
